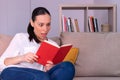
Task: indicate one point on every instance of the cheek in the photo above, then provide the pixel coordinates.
(49, 28)
(37, 30)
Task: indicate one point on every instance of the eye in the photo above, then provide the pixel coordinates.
(40, 24)
(48, 24)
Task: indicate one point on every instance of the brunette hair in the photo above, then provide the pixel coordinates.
(37, 11)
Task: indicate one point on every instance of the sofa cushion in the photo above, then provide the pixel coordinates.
(72, 55)
(4, 42)
(96, 78)
(99, 53)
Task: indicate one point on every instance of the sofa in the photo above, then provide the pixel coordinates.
(99, 53)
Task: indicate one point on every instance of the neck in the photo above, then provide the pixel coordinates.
(42, 39)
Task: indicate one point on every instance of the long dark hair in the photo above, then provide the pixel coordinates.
(37, 11)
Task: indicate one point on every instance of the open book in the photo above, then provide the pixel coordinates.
(53, 52)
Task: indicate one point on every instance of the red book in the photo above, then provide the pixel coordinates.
(91, 23)
(52, 52)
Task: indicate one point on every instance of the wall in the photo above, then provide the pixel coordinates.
(118, 9)
(15, 14)
(53, 6)
(15, 17)
(54, 9)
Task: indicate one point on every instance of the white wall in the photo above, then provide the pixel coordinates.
(14, 18)
(15, 14)
(117, 2)
(53, 7)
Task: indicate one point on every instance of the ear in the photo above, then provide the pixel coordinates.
(31, 22)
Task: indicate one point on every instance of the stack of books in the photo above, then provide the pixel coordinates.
(69, 24)
(93, 24)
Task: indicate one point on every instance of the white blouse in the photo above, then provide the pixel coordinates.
(20, 45)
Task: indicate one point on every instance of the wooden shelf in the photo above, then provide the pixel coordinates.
(95, 8)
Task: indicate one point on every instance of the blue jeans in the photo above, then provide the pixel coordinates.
(62, 71)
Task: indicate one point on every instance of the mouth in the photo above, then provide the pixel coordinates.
(43, 34)
(42, 37)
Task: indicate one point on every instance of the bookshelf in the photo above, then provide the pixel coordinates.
(103, 12)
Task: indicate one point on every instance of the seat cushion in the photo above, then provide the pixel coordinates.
(96, 78)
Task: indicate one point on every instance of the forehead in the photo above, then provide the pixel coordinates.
(43, 18)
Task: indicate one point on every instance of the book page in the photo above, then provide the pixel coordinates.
(66, 45)
(52, 43)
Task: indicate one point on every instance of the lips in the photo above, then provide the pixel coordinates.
(44, 34)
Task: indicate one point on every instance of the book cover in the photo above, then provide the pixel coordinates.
(70, 24)
(48, 51)
(96, 25)
(91, 24)
(64, 24)
(74, 26)
(77, 25)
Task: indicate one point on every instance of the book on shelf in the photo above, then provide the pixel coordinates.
(77, 25)
(69, 24)
(91, 24)
(96, 25)
(64, 24)
(52, 52)
(74, 25)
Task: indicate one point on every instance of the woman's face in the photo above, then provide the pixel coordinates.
(42, 26)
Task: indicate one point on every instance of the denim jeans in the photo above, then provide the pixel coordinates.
(62, 71)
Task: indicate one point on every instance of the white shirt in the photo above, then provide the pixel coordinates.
(20, 45)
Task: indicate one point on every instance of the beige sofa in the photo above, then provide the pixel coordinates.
(99, 54)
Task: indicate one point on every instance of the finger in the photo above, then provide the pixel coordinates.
(35, 59)
(47, 65)
(36, 56)
(49, 62)
(31, 60)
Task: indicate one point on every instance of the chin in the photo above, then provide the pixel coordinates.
(43, 38)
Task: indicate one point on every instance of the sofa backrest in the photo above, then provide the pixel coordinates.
(99, 53)
(4, 42)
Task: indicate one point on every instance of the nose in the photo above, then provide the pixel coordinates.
(45, 28)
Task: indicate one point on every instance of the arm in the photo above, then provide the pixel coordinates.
(12, 60)
(28, 57)
(12, 53)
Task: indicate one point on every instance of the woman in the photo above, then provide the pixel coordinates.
(19, 60)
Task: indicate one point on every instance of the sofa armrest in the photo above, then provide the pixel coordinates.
(4, 42)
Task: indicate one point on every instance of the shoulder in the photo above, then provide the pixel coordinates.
(20, 36)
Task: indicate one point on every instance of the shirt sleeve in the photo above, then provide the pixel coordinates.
(11, 51)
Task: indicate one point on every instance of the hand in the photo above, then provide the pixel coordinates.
(29, 57)
(48, 66)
